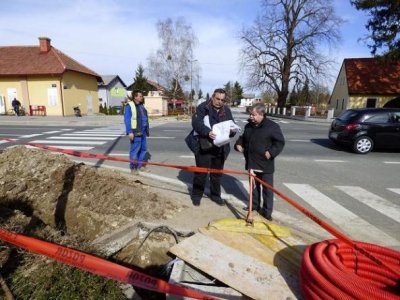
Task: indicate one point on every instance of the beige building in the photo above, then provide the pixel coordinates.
(366, 82)
(43, 78)
(155, 102)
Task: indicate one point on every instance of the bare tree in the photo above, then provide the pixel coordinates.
(172, 65)
(281, 48)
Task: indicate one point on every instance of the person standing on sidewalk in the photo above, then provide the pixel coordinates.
(214, 157)
(261, 143)
(137, 129)
(16, 104)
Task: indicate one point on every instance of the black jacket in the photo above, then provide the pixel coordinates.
(203, 110)
(256, 140)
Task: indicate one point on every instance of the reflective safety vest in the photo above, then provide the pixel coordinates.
(134, 114)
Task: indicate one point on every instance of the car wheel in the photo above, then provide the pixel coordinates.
(363, 145)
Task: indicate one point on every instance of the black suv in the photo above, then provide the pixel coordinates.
(367, 128)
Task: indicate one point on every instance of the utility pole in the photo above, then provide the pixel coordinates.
(191, 83)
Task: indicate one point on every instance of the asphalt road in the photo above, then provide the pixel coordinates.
(359, 194)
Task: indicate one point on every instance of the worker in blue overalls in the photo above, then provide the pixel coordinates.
(137, 129)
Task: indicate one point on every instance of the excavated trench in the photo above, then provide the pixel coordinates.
(46, 195)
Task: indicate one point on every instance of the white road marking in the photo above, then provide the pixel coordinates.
(302, 141)
(397, 191)
(186, 156)
(44, 142)
(118, 154)
(78, 148)
(30, 135)
(81, 138)
(392, 162)
(374, 201)
(90, 134)
(67, 129)
(4, 142)
(51, 132)
(347, 221)
(81, 148)
(329, 160)
(100, 132)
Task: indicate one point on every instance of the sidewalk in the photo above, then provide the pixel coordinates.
(92, 120)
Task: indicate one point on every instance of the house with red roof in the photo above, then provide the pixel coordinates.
(366, 82)
(43, 76)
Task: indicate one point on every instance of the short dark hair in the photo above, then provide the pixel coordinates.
(136, 92)
(219, 91)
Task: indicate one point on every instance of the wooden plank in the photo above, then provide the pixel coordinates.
(241, 272)
(270, 250)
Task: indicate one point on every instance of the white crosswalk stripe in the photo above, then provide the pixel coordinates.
(397, 191)
(52, 142)
(82, 140)
(346, 220)
(100, 138)
(374, 201)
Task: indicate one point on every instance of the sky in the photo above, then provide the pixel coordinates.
(112, 37)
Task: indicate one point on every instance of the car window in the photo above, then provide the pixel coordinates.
(348, 115)
(377, 118)
(396, 117)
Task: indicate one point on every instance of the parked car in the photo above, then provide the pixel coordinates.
(367, 128)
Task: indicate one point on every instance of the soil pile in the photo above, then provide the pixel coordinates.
(46, 195)
(74, 197)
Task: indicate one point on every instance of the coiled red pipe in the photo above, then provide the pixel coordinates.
(333, 270)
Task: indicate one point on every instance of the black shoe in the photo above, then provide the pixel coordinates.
(196, 201)
(219, 201)
(246, 208)
(264, 214)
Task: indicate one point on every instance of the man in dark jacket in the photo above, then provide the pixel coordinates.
(137, 128)
(16, 104)
(215, 111)
(261, 143)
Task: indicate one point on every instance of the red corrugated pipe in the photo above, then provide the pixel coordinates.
(333, 270)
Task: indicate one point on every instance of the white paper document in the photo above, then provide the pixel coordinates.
(222, 131)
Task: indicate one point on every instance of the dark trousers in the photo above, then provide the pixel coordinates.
(267, 194)
(16, 109)
(213, 161)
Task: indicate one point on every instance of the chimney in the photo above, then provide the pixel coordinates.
(44, 43)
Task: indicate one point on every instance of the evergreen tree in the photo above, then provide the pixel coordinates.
(200, 94)
(237, 93)
(140, 81)
(384, 25)
(176, 91)
(229, 91)
(208, 96)
(305, 94)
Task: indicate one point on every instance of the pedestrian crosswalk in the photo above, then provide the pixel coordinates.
(72, 139)
(351, 217)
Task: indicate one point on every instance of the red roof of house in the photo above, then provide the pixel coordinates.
(29, 60)
(372, 76)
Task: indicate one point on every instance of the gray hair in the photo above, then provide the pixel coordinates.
(259, 108)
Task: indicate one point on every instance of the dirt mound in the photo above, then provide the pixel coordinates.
(74, 197)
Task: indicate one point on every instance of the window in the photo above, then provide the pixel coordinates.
(396, 117)
(371, 102)
(342, 104)
(378, 118)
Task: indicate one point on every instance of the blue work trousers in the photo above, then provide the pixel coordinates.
(138, 151)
